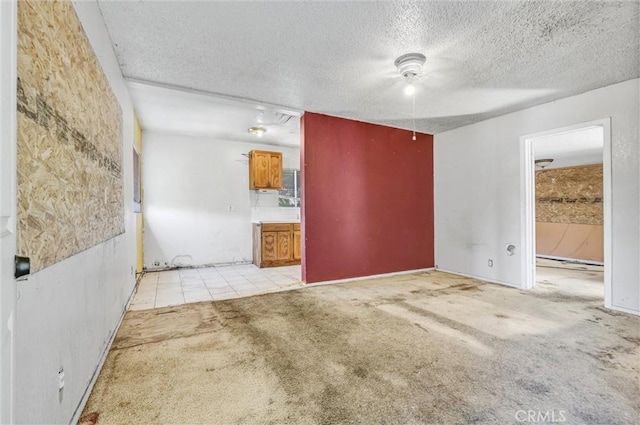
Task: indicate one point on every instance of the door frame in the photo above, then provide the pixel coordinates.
(527, 202)
(8, 204)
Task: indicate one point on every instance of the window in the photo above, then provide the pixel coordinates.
(290, 193)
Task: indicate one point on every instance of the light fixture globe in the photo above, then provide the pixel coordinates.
(542, 163)
(410, 63)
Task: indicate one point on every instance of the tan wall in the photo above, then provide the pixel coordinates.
(569, 215)
(137, 141)
(579, 241)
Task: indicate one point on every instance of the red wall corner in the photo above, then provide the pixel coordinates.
(367, 199)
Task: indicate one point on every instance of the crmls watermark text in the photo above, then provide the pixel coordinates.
(541, 416)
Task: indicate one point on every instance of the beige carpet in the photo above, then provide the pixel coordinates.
(427, 348)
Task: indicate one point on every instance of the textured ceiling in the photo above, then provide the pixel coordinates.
(177, 111)
(579, 147)
(484, 59)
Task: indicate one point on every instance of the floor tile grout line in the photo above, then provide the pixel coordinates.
(239, 282)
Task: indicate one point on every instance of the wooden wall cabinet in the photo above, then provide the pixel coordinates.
(265, 170)
(276, 244)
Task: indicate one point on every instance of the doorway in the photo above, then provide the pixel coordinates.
(566, 224)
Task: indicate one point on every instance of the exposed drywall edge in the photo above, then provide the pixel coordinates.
(484, 279)
(103, 358)
(373, 276)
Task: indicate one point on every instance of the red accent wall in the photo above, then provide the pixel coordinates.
(367, 195)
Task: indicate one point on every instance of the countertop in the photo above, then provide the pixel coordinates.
(276, 221)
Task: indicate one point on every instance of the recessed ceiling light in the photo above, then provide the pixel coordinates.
(257, 131)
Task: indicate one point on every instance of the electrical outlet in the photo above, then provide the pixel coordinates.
(156, 263)
(490, 263)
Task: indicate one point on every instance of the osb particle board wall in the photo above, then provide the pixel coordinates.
(570, 195)
(69, 138)
(569, 213)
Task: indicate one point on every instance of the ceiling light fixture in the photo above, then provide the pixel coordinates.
(409, 66)
(542, 163)
(409, 87)
(257, 131)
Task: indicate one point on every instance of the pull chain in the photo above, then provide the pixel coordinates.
(413, 117)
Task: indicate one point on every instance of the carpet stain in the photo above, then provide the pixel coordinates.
(427, 349)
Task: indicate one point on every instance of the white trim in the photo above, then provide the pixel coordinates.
(607, 211)
(484, 279)
(527, 207)
(527, 204)
(624, 310)
(373, 276)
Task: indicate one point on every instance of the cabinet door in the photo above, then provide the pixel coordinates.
(269, 246)
(259, 169)
(297, 251)
(275, 170)
(284, 245)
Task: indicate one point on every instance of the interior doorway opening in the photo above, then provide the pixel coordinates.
(567, 210)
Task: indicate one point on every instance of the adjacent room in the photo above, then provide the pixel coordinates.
(569, 211)
(319, 212)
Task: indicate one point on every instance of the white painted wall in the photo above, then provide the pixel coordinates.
(197, 203)
(67, 313)
(478, 188)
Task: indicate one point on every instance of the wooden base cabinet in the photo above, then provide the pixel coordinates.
(276, 244)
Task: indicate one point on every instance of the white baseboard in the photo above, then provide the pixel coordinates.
(623, 310)
(484, 279)
(373, 276)
(199, 266)
(96, 372)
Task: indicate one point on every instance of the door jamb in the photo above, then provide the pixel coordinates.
(527, 202)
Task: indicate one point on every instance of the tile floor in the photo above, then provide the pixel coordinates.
(175, 287)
